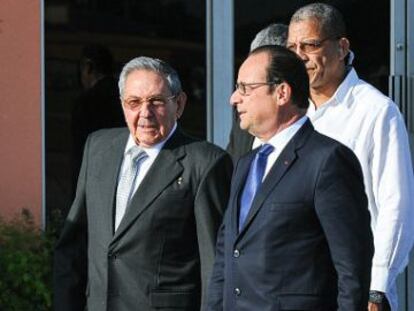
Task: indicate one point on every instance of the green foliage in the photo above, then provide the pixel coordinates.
(25, 265)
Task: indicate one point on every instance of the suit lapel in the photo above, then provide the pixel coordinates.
(165, 169)
(283, 163)
(110, 163)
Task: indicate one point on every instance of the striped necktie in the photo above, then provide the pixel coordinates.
(127, 179)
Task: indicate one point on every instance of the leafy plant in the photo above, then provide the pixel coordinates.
(25, 265)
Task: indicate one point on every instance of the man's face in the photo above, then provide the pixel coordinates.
(257, 109)
(324, 63)
(149, 107)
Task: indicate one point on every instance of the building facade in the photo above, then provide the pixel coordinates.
(205, 40)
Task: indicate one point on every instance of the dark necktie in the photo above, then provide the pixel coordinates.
(253, 181)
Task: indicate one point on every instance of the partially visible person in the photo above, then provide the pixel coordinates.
(296, 234)
(353, 112)
(98, 105)
(274, 34)
(141, 232)
(240, 142)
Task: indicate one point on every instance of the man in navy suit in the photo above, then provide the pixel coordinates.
(296, 234)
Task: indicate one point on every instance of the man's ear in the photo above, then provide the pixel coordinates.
(343, 48)
(283, 93)
(181, 101)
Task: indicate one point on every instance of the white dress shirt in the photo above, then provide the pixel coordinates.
(369, 123)
(279, 142)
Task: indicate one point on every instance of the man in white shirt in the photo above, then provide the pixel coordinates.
(358, 115)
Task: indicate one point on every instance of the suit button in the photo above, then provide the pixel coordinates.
(237, 291)
(236, 253)
(112, 255)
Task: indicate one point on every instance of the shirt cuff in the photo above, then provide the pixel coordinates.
(380, 278)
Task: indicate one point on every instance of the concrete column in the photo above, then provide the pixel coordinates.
(20, 108)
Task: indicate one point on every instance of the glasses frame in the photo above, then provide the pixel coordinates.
(155, 101)
(311, 46)
(241, 86)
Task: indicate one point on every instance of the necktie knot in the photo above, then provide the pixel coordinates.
(137, 154)
(265, 150)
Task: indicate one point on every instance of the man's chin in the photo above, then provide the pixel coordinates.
(314, 82)
(146, 143)
(147, 138)
(243, 125)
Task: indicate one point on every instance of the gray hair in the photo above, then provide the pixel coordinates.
(274, 34)
(152, 64)
(329, 18)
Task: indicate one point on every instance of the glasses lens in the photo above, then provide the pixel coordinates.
(241, 88)
(309, 47)
(157, 101)
(133, 103)
(292, 47)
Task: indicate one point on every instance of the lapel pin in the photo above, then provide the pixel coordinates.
(180, 180)
(286, 162)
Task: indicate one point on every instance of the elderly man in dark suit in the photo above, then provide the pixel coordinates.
(140, 234)
(296, 234)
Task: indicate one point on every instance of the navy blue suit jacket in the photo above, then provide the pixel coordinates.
(306, 243)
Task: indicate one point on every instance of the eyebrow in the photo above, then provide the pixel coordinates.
(140, 97)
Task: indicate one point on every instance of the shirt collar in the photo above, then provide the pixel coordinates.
(341, 92)
(350, 80)
(281, 139)
(152, 151)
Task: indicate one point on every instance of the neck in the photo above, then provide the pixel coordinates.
(321, 94)
(320, 97)
(284, 122)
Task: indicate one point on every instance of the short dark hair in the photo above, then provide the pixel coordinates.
(99, 58)
(329, 18)
(286, 66)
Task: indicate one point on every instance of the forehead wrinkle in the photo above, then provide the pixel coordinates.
(309, 29)
(145, 83)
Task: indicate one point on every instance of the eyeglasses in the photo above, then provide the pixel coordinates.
(246, 89)
(310, 46)
(156, 101)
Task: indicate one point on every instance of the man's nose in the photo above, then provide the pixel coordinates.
(235, 98)
(145, 109)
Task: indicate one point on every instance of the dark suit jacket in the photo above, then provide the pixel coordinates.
(162, 253)
(306, 243)
(240, 141)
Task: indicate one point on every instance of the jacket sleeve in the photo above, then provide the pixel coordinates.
(342, 209)
(70, 255)
(210, 203)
